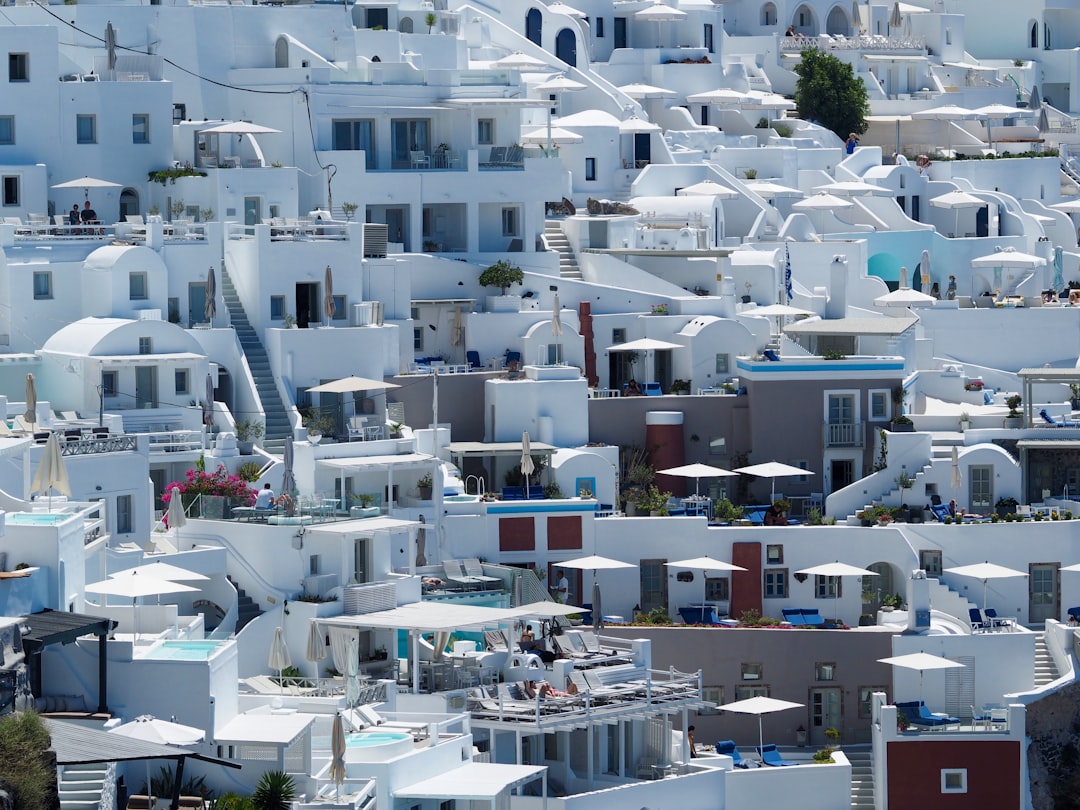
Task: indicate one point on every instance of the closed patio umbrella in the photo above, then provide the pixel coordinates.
(956, 477)
(51, 473)
(210, 308)
(279, 655)
(316, 646)
(527, 466)
(208, 402)
(329, 307)
(352, 673)
(177, 516)
(31, 400)
(337, 754)
(924, 272)
(288, 480)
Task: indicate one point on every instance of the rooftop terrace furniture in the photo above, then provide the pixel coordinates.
(652, 389)
(771, 355)
(994, 620)
(728, 748)
(1047, 418)
(475, 570)
(978, 623)
(940, 511)
(699, 614)
(455, 575)
(770, 756)
(918, 715)
(472, 357)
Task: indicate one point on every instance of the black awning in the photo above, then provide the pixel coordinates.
(57, 627)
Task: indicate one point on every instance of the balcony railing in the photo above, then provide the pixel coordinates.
(845, 434)
(86, 447)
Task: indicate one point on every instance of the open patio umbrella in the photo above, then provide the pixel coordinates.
(947, 113)
(351, 384)
(770, 190)
(985, 571)
(1069, 206)
(527, 466)
(697, 472)
(51, 473)
(177, 516)
(337, 754)
(163, 732)
(778, 311)
(316, 646)
(641, 92)
(329, 307)
(554, 136)
(998, 112)
(560, 84)
(1009, 257)
(279, 655)
(86, 183)
(759, 705)
(31, 401)
(773, 470)
(820, 203)
(210, 307)
(760, 100)
(836, 569)
(721, 95)
(660, 14)
(921, 661)
(705, 564)
(957, 201)
(905, 297)
(162, 570)
(548, 609)
(595, 563)
(134, 587)
(519, 61)
(644, 345)
(242, 128)
(708, 188)
(636, 126)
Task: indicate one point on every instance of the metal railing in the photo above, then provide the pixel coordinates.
(106, 444)
(860, 43)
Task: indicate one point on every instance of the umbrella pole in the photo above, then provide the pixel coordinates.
(760, 735)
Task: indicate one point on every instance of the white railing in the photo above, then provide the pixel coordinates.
(860, 43)
(849, 434)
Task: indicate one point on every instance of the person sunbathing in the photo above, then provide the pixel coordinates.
(544, 690)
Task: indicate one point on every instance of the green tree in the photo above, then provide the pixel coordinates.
(502, 274)
(829, 92)
(430, 19)
(23, 764)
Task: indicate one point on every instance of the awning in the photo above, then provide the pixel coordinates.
(474, 449)
(60, 627)
(1062, 375)
(273, 729)
(377, 463)
(76, 744)
(887, 327)
(478, 781)
(428, 617)
(362, 526)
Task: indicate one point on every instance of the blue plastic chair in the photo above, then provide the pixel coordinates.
(771, 355)
(653, 389)
(770, 756)
(727, 747)
(472, 357)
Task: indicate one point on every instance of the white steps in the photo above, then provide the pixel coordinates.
(81, 786)
(862, 777)
(556, 240)
(1045, 669)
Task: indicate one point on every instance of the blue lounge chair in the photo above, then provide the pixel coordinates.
(652, 389)
(793, 616)
(472, 357)
(918, 715)
(699, 614)
(771, 356)
(812, 618)
(513, 493)
(977, 621)
(1052, 421)
(940, 511)
(994, 620)
(727, 747)
(770, 756)
(513, 359)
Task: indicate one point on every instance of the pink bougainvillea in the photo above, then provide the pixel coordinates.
(219, 482)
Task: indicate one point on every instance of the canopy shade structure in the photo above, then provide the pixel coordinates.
(1009, 257)
(905, 297)
(770, 190)
(708, 188)
(721, 95)
(557, 135)
(132, 587)
(242, 128)
(643, 345)
(759, 705)
(87, 183)
(634, 125)
(957, 199)
(560, 84)
(473, 781)
(659, 13)
(150, 729)
(854, 188)
(161, 570)
(1069, 206)
(773, 470)
(985, 571)
(821, 202)
(428, 617)
(548, 610)
(594, 563)
(922, 662)
(351, 384)
(645, 91)
(836, 569)
(760, 100)
(562, 8)
(947, 112)
(519, 61)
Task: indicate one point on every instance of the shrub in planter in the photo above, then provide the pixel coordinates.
(1005, 506)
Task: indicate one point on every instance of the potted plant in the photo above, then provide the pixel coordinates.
(502, 274)
(349, 210)
(749, 286)
(1006, 506)
(395, 430)
(247, 432)
(659, 309)
(902, 424)
(1014, 418)
(653, 501)
(318, 424)
(288, 321)
(363, 505)
(965, 421)
(423, 484)
(904, 481)
(680, 387)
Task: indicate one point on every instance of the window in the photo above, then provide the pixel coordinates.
(123, 514)
(718, 446)
(824, 671)
(485, 131)
(449, 804)
(137, 286)
(930, 562)
(277, 307)
(599, 27)
(981, 494)
(711, 694)
(183, 381)
(841, 409)
(618, 336)
(802, 464)
(108, 383)
(146, 345)
(723, 364)
(716, 589)
(954, 780)
(11, 189)
(7, 130)
(356, 135)
(86, 129)
(746, 691)
(418, 338)
(774, 554)
(865, 701)
(313, 565)
(18, 67)
(776, 583)
(509, 222)
(340, 313)
(140, 128)
(827, 587)
(879, 405)
(590, 168)
(750, 671)
(42, 285)
(179, 113)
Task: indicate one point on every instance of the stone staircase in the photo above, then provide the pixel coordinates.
(278, 426)
(862, 776)
(1045, 668)
(81, 786)
(556, 240)
(246, 608)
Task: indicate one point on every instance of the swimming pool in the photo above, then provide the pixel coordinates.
(376, 746)
(461, 498)
(37, 518)
(200, 650)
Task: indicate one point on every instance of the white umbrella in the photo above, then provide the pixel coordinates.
(1074, 567)
(133, 587)
(316, 646)
(560, 84)
(659, 13)
(279, 655)
(329, 307)
(905, 297)
(770, 190)
(1069, 206)
(556, 86)
(985, 571)
(721, 95)
(921, 661)
(595, 563)
(854, 188)
(956, 479)
(759, 100)
(527, 466)
(163, 732)
(957, 200)
(822, 202)
(697, 472)
(705, 564)
(288, 480)
(87, 183)
(337, 753)
(350, 384)
(519, 61)
(644, 345)
(51, 473)
(242, 128)
(634, 126)
(208, 402)
(836, 569)
(162, 570)
(1009, 257)
(177, 516)
(777, 311)
(947, 112)
(548, 609)
(773, 470)
(759, 705)
(644, 91)
(708, 188)
(998, 112)
(556, 135)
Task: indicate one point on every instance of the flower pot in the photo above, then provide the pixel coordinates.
(1014, 422)
(425, 493)
(246, 448)
(314, 438)
(901, 427)
(965, 425)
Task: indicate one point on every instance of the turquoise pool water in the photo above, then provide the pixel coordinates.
(371, 739)
(461, 498)
(37, 518)
(185, 650)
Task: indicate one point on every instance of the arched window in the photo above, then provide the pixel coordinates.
(566, 47)
(1046, 37)
(406, 25)
(1033, 41)
(768, 14)
(533, 26)
(129, 202)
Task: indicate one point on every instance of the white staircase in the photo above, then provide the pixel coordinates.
(862, 776)
(1045, 668)
(556, 240)
(81, 786)
(943, 598)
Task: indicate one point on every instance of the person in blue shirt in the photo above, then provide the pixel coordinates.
(852, 142)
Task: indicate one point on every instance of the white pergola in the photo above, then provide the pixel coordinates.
(477, 781)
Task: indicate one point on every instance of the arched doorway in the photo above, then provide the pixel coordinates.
(805, 21)
(837, 22)
(534, 26)
(129, 203)
(406, 25)
(566, 47)
(874, 589)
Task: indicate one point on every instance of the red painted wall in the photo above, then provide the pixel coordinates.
(585, 320)
(517, 534)
(665, 443)
(746, 585)
(993, 773)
